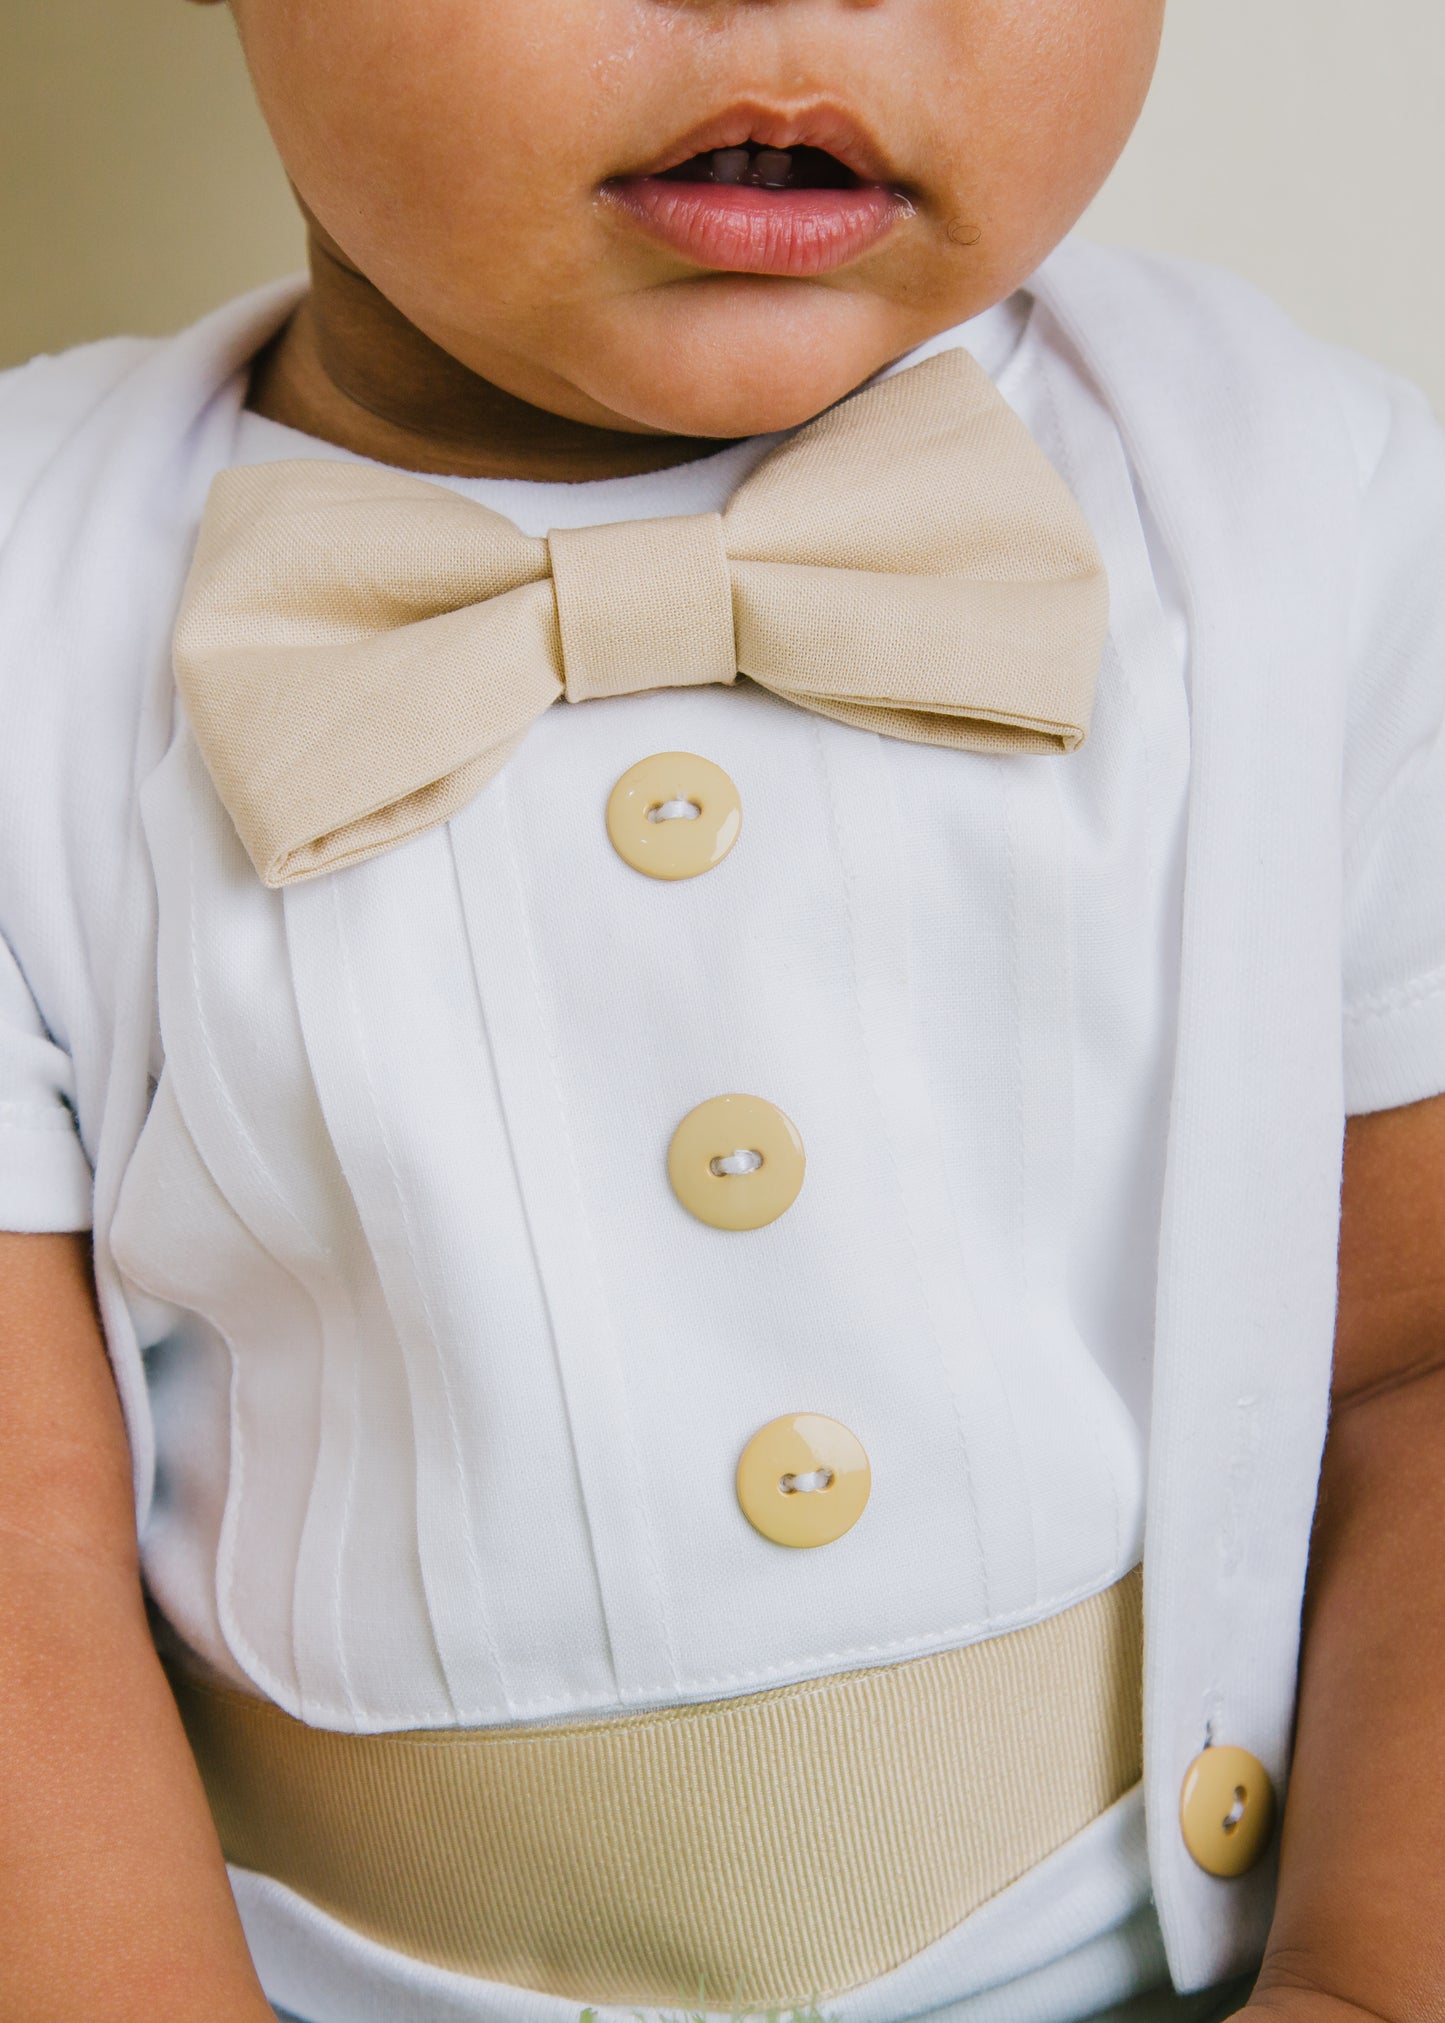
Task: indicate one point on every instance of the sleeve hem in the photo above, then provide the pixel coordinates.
(1395, 1053)
(45, 1182)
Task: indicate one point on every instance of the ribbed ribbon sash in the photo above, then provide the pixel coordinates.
(769, 1851)
(360, 651)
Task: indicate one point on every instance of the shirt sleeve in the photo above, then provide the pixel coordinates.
(1394, 780)
(45, 1179)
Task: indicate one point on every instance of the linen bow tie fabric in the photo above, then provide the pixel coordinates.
(359, 651)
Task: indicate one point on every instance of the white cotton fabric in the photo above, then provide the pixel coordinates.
(410, 1331)
(44, 1177)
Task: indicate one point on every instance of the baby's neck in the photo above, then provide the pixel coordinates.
(349, 368)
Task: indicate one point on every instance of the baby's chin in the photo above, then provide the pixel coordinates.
(734, 356)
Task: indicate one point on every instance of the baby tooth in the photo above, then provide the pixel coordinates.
(729, 165)
(772, 166)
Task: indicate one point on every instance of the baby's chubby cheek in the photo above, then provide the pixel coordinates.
(696, 216)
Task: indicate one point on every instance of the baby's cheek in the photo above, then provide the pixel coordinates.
(1032, 103)
(396, 98)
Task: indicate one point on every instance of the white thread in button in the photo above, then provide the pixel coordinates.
(674, 811)
(807, 1485)
(735, 1163)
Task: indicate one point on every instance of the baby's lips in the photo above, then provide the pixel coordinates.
(742, 229)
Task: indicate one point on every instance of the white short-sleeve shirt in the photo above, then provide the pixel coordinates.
(423, 1329)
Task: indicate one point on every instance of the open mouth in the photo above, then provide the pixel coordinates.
(736, 200)
(755, 167)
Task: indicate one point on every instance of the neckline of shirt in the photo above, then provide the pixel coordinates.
(703, 486)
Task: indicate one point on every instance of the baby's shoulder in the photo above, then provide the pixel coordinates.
(99, 469)
(47, 403)
(1197, 351)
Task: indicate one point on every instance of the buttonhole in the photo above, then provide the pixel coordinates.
(1234, 1818)
(673, 811)
(729, 1164)
(806, 1485)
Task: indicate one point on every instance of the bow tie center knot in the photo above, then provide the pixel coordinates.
(643, 604)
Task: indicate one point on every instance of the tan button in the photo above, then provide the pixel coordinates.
(736, 1162)
(1226, 1810)
(674, 815)
(803, 1480)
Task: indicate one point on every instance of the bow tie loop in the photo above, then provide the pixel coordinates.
(643, 604)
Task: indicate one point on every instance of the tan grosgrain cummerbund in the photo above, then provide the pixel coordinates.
(761, 1852)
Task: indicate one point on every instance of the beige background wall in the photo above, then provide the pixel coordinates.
(1301, 141)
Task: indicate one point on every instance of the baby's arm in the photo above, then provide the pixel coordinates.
(1361, 1919)
(114, 1905)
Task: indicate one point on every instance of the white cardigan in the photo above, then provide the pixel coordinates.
(1297, 505)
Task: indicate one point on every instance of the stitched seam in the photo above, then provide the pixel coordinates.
(1092, 1375)
(342, 1527)
(880, 1117)
(262, 1172)
(1404, 995)
(1070, 477)
(348, 1504)
(438, 1358)
(634, 1460)
(242, 1646)
(989, 1348)
(504, 1112)
(1016, 994)
(943, 1639)
(239, 1644)
(1083, 1396)
(827, 1686)
(231, 1520)
(1113, 659)
(231, 1514)
(955, 1637)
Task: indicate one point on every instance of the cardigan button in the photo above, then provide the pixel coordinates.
(736, 1162)
(1226, 1811)
(674, 815)
(803, 1480)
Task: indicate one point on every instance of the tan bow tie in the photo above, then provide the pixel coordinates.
(360, 651)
